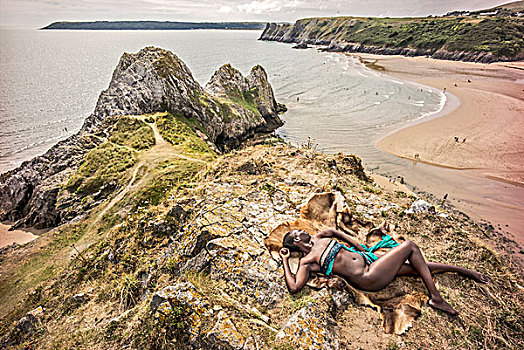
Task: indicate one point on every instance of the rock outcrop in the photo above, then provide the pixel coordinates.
(156, 80)
(152, 80)
(224, 335)
(28, 194)
(312, 325)
(200, 270)
(253, 97)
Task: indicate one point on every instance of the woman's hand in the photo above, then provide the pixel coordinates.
(284, 253)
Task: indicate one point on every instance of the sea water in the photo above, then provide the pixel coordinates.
(51, 80)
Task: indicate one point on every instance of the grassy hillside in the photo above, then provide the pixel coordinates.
(201, 233)
(502, 36)
(509, 9)
(133, 170)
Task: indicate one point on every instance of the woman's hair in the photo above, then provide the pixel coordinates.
(289, 243)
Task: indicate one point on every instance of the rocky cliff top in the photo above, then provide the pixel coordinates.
(198, 270)
(168, 245)
(150, 81)
(156, 80)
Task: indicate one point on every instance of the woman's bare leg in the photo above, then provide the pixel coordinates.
(408, 270)
(384, 270)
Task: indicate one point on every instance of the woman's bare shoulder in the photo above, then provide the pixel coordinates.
(310, 262)
(322, 236)
(308, 259)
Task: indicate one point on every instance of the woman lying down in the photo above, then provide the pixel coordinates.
(360, 267)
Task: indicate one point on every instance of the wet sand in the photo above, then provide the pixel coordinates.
(15, 236)
(488, 123)
(391, 185)
(485, 106)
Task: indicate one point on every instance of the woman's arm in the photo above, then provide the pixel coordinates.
(294, 283)
(342, 236)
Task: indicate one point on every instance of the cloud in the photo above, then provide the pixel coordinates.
(258, 7)
(225, 9)
(43, 12)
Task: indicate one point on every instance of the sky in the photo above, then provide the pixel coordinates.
(38, 13)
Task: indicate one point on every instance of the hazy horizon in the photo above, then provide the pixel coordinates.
(39, 13)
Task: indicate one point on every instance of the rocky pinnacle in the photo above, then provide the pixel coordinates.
(231, 109)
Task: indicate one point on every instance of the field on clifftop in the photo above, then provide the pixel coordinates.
(178, 262)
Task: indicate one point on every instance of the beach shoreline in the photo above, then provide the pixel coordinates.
(484, 91)
(8, 238)
(483, 170)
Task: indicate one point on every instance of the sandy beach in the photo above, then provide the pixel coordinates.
(488, 123)
(15, 236)
(485, 111)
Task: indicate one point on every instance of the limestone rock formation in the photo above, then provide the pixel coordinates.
(252, 94)
(312, 326)
(224, 335)
(28, 194)
(152, 80)
(156, 80)
(181, 295)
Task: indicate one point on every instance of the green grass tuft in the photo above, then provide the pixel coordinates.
(170, 174)
(107, 162)
(134, 133)
(175, 130)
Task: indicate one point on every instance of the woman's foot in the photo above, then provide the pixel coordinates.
(442, 305)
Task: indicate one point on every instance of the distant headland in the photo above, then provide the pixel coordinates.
(481, 36)
(154, 25)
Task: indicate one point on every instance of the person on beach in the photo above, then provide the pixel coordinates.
(360, 267)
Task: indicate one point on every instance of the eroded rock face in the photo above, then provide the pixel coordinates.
(28, 193)
(311, 327)
(152, 80)
(255, 104)
(224, 335)
(180, 295)
(227, 80)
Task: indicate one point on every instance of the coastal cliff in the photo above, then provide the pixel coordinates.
(466, 38)
(152, 80)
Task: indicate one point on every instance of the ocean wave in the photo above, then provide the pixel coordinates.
(397, 82)
(35, 144)
(416, 103)
(439, 109)
(22, 130)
